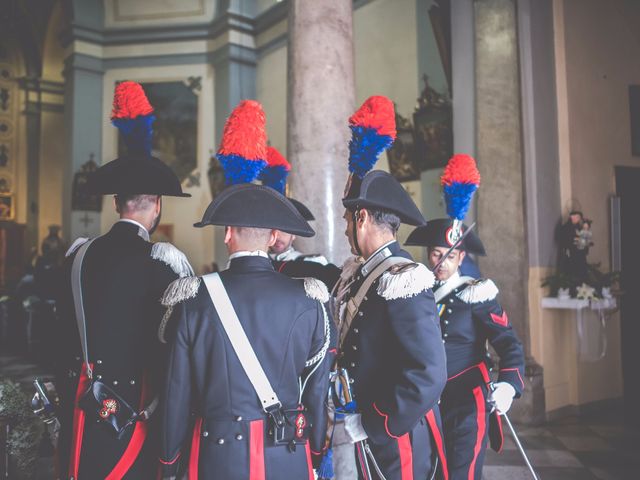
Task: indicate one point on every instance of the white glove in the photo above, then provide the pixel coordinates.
(353, 427)
(502, 396)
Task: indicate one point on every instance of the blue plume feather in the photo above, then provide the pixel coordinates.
(238, 169)
(325, 471)
(136, 132)
(365, 147)
(275, 177)
(458, 197)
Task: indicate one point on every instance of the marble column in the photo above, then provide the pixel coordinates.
(84, 118)
(321, 97)
(501, 200)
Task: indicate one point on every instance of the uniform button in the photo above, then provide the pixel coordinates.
(99, 362)
(221, 441)
(351, 380)
(115, 382)
(205, 434)
(353, 365)
(360, 314)
(365, 298)
(448, 310)
(132, 382)
(451, 300)
(446, 322)
(443, 340)
(98, 377)
(445, 335)
(238, 418)
(238, 437)
(355, 347)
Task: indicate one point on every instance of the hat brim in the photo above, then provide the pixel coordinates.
(135, 176)
(255, 206)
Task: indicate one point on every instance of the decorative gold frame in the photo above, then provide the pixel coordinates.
(7, 206)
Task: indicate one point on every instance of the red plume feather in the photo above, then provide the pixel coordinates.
(276, 159)
(461, 168)
(245, 132)
(130, 101)
(378, 113)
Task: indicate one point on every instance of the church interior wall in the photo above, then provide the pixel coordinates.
(53, 148)
(600, 69)
(596, 60)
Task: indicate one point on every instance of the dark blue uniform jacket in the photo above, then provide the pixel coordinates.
(286, 328)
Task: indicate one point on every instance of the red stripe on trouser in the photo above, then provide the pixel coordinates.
(195, 450)
(135, 444)
(256, 450)
(309, 462)
(406, 457)
(437, 436)
(480, 423)
(78, 424)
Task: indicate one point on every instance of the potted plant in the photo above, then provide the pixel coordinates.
(603, 282)
(560, 285)
(25, 430)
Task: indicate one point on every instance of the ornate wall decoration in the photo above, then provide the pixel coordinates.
(402, 155)
(433, 121)
(7, 206)
(80, 198)
(8, 118)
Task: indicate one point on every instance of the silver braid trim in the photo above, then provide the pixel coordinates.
(318, 357)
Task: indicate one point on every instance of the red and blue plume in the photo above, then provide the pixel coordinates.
(277, 171)
(132, 115)
(243, 151)
(373, 130)
(460, 180)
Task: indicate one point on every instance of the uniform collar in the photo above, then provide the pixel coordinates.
(250, 263)
(286, 256)
(141, 231)
(452, 283)
(451, 280)
(247, 253)
(385, 251)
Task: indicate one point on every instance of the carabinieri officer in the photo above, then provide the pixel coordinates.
(123, 275)
(390, 341)
(470, 316)
(235, 435)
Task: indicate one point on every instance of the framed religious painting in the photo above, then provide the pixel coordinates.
(175, 130)
(402, 154)
(7, 206)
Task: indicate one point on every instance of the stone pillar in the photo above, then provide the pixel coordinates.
(235, 80)
(501, 205)
(84, 118)
(321, 97)
(33, 124)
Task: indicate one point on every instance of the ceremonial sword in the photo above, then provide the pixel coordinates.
(515, 438)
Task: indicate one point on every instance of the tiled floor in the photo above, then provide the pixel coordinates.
(598, 447)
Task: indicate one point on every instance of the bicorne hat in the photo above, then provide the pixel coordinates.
(373, 130)
(243, 156)
(440, 233)
(137, 172)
